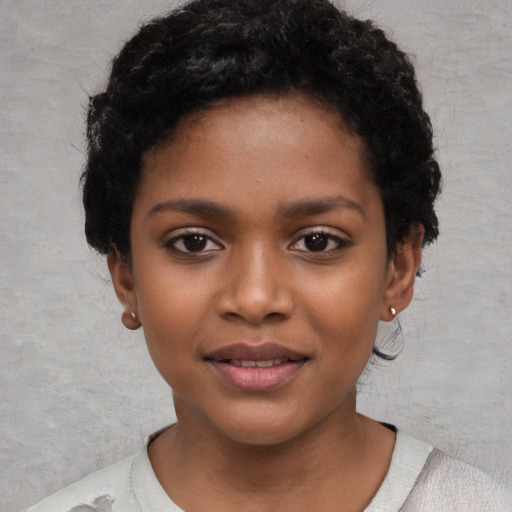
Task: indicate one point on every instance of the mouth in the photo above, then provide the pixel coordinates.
(256, 368)
(247, 363)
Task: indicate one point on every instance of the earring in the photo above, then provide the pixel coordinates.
(393, 311)
(130, 320)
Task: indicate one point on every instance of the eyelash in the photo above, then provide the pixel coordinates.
(328, 238)
(324, 238)
(189, 235)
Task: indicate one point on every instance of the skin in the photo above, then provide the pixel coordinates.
(280, 170)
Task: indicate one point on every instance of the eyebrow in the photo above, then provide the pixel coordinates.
(302, 207)
(308, 207)
(192, 206)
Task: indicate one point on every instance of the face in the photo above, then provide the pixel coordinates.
(259, 267)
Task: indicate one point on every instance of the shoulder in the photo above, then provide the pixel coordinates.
(421, 478)
(106, 490)
(128, 486)
(448, 484)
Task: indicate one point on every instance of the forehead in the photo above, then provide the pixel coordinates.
(275, 148)
(280, 112)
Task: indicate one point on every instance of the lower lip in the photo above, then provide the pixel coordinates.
(258, 379)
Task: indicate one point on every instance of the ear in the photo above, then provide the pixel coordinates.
(122, 280)
(402, 270)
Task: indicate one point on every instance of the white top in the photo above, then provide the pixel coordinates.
(420, 479)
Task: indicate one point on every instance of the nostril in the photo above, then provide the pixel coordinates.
(275, 316)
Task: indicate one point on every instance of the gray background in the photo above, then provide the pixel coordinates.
(79, 392)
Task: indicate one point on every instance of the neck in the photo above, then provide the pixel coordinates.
(342, 459)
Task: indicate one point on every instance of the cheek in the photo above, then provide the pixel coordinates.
(344, 309)
(349, 296)
(173, 306)
(168, 294)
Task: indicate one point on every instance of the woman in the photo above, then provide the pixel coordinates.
(261, 178)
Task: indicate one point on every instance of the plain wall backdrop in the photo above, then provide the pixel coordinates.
(79, 392)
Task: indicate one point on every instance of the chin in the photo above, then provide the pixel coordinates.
(260, 429)
(260, 435)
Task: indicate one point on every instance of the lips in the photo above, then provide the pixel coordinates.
(256, 368)
(250, 363)
(266, 352)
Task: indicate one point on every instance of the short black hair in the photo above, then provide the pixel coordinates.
(210, 50)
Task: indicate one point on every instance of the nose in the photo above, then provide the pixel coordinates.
(256, 289)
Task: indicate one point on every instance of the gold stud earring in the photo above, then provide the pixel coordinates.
(130, 320)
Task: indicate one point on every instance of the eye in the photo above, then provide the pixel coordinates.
(193, 243)
(319, 242)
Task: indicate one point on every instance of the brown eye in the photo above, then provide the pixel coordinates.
(319, 242)
(193, 243)
(316, 242)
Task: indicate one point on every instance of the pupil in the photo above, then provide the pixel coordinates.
(194, 242)
(316, 242)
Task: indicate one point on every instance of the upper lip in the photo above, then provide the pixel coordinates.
(263, 352)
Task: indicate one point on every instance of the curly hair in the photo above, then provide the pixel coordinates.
(210, 50)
